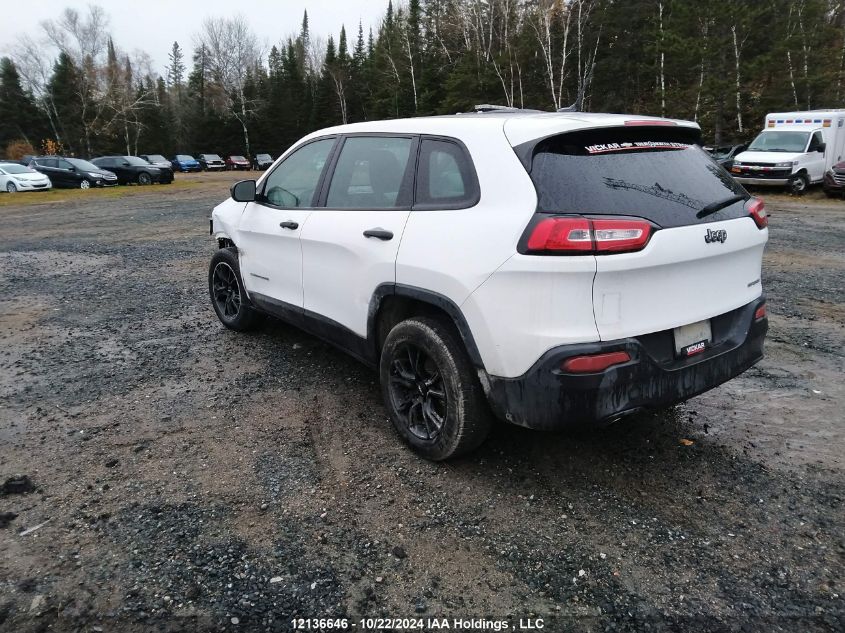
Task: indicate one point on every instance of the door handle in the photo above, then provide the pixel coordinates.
(288, 224)
(379, 233)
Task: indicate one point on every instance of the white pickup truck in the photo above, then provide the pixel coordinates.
(794, 150)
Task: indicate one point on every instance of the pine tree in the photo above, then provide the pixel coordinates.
(19, 116)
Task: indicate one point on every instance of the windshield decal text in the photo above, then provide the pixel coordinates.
(604, 148)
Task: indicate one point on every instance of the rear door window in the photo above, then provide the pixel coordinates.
(660, 174)
(371, 173)
(445, 176)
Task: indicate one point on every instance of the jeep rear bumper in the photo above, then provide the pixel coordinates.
(548, 398)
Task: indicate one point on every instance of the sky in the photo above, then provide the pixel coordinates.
(153, 25)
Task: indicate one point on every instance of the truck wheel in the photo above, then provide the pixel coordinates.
(431, 390)
(798, 185)
(227, 292)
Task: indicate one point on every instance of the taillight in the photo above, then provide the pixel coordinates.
(757, 208)
(593, 363)
(581, 235)
(561, 234)
(620, 235)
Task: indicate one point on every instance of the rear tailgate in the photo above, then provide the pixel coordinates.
(678, 279)
(702, 260)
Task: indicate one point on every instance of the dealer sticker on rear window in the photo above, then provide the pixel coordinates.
(604, 148)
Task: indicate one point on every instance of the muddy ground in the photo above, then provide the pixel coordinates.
(195, 479)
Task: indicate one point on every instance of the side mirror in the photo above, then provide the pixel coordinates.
(821, 147)
(243, 191)
(125, 163)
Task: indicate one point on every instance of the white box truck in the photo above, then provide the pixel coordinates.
(794, 150)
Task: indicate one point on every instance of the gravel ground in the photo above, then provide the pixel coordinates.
(188, 478)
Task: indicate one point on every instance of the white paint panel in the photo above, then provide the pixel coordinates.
(678, 279)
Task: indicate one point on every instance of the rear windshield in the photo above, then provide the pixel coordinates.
(654, 173)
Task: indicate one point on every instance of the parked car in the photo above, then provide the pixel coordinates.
(130, 169)
(157, 160)
(262, 161)
(73, 172)
(184, 163)
(557, 269)
(237, 162)
(211, 162)
(724, 154)
(834, 181)
(794, 150)
(15, 177)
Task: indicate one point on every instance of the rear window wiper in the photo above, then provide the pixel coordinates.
(711, 208)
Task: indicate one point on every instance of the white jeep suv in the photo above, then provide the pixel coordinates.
(552, 269)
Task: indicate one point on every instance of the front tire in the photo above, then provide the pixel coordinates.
(84, 184)
(798, 185)
(11, 188)
(144, 178)
(431, 390)
(227, 292)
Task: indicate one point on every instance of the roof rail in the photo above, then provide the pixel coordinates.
(486, 107)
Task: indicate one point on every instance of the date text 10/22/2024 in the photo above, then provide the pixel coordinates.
(416, 624)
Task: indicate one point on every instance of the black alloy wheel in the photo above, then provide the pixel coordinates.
(417, 392)
(225, 291)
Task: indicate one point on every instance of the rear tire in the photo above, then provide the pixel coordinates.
(226, 290)
(431, 390)
(798, 185)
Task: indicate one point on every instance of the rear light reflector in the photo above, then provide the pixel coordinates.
(757, 209)
(581, 235)
(594, 363)
(760, 313)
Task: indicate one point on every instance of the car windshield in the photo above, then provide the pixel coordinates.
(770, 141)
(211, 157)
(240, 158)
(134, 160)
(157, 158)
(16, 169)
(660, 175)
(184, 157)
(263, 156)
(84, 165)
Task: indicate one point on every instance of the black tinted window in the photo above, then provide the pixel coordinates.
(655, 174)
(369, 173)
(47, 162)
(445, 176)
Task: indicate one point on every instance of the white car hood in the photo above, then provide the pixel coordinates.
(35, 177)
(768, 157)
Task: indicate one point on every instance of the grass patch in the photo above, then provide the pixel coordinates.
(54, 196)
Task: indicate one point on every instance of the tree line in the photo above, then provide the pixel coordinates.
(723, 63)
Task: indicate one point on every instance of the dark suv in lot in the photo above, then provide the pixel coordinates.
(73, 172)
(262, 162)
(131, 169)
(157, 160)
(211, 162)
